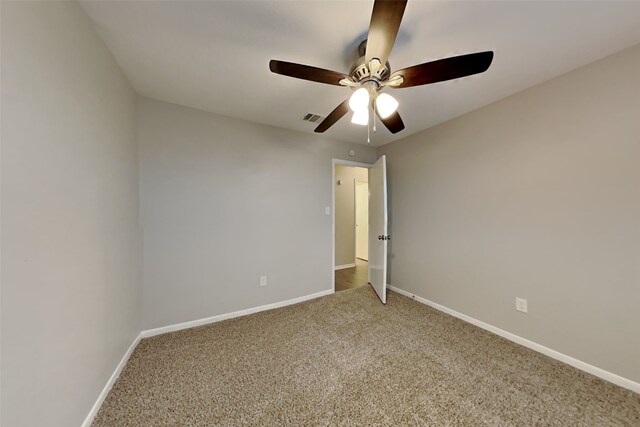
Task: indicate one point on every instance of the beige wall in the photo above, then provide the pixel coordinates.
(535, 196)
(345, 212)
(70, 240)
(224, 201)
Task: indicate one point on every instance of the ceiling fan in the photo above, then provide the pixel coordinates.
(371, 73)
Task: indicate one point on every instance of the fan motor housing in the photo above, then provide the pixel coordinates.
(360, 69)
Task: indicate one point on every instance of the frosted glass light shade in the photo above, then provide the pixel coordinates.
(386, 105)
(360, 117)
(359, 100)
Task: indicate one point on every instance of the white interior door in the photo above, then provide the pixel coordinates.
(362, 220)
(378, 236)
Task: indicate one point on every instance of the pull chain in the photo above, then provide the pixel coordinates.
(373, 113)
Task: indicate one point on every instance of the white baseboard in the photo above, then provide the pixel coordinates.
(340, 267)
(220, 317)
(583, 366)
(171, 328)
(107, 388)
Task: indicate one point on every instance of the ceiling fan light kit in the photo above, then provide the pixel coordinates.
(371, 73)
(359, 100)
(361, 117)
(386, 105)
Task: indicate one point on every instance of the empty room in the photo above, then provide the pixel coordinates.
(319, 213)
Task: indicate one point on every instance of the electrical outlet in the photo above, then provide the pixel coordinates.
(327, 211)
(263, 280)
(521, 305)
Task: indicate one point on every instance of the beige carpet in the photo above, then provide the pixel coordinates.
(346, 359)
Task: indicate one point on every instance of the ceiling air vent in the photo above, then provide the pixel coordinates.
(313, 118)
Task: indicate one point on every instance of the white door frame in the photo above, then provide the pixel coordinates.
(334, 163)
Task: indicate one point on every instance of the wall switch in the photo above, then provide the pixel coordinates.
(263, 280)
(521, 305)
(327, 210)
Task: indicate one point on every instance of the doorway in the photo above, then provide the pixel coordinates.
(350, 264)
(351, 243)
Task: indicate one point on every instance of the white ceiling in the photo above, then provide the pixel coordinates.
(215, 55)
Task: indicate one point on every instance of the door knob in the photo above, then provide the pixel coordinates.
(379, 237)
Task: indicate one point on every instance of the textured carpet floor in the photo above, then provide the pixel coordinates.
(346, 359)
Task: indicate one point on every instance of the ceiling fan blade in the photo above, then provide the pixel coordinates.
(383, 28)
(444, 69)
(306, 72)
(333, 117)
(394, 122)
